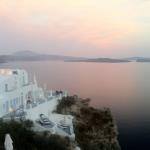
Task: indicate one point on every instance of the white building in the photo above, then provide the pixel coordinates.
(17, 91)
(18, 94)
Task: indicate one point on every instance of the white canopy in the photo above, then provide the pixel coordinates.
(8, 142)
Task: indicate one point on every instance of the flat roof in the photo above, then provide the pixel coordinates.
(6, 71)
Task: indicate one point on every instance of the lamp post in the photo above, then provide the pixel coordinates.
(12, 113)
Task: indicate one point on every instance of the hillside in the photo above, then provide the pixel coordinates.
(95, 129)
(33, 56)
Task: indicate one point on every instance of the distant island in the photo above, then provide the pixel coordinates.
(143, 60)
(138, 59)
(113, 60)
(33, 56)
(103, 60)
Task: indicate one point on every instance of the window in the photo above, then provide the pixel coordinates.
(11, 103)
(3, 107)
(6, 87)
(15, 72)
(7, 106)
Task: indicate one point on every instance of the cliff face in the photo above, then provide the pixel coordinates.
(95, 129)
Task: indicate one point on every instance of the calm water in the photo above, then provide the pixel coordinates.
(125, 88)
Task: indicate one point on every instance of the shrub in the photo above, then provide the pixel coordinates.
(26, 139)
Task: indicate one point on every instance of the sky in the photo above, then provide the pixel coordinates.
(96, 28)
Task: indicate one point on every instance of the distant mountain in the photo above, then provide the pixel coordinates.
(133, 58)
(139, 59)
(25, 53)
(33, 56)
(2, 59)
(143, 60)
(103, 60)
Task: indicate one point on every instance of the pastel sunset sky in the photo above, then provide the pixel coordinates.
(96, 28)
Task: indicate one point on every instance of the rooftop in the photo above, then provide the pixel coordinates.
(6, 72)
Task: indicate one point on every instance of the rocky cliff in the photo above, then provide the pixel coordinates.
(95, 129)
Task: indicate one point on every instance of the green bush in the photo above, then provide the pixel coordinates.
(26, 139)
(65, 102)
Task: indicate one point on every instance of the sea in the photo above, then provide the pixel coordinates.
(123, 87)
